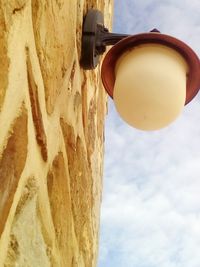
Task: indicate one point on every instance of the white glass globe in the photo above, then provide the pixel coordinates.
(150, 86)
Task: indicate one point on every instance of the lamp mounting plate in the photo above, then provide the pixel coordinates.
(93, 23)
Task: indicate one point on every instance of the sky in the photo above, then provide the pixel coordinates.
(150, 214)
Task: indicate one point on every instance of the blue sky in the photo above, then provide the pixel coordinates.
(150, 213)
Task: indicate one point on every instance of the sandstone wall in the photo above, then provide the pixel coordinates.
(51, 135)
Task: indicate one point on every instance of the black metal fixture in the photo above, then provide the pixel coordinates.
(95, 38)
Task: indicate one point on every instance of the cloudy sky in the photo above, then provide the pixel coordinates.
(151, 200)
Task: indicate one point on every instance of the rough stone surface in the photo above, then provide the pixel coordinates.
(51, 136)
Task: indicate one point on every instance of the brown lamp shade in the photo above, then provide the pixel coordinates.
(193, 62)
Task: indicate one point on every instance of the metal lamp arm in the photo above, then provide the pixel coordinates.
(106, 38)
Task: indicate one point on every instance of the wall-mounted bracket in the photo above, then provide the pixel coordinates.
(95, 38)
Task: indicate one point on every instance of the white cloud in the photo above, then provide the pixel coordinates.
(176, 17)
(156, 223)
(151, 201)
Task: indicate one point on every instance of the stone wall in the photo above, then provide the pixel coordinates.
(51, 135)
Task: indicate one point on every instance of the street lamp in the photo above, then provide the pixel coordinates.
(150, 76)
